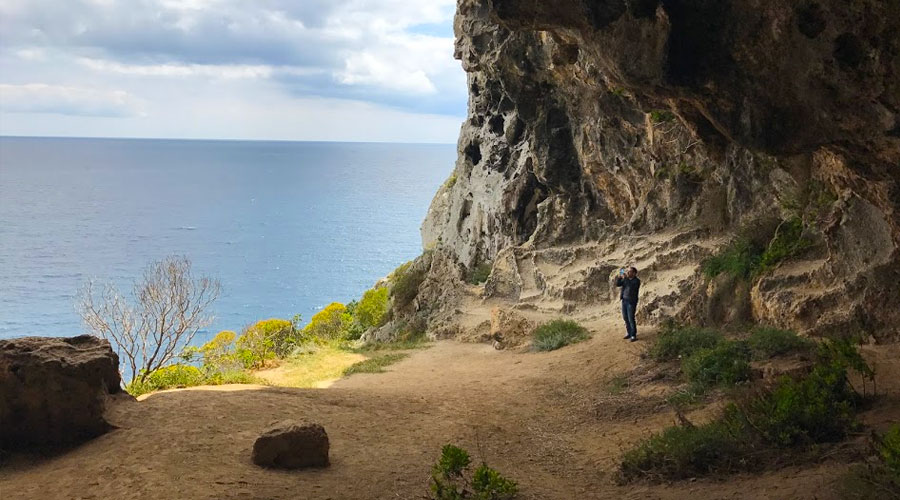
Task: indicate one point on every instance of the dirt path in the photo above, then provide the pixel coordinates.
(534, 417)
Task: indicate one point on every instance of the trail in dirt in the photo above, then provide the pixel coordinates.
(532, 416)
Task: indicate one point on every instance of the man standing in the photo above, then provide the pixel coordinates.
(630, 284)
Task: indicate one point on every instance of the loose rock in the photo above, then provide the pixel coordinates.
(290, 445)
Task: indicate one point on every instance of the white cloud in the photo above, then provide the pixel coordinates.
(392, 55)
(43, 98)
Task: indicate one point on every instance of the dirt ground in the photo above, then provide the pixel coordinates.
(533, 416)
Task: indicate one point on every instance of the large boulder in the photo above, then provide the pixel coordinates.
(290, 445)
(53, 391)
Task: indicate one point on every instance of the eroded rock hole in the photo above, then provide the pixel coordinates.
(602, 13)
(473, 153)
(811, 20)
(641, 9)
(849, 51)
(533, 193)
(496, 124)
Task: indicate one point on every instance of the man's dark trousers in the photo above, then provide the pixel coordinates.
(628, 309)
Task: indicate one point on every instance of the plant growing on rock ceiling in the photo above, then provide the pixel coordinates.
(169, 306)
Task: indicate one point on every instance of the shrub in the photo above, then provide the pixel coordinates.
(746, 257)
(405, 282)
(739, 259)
(448, 480)
(725, 364)
(266, 340)
(817, 408)
(682, 452)
(661, 115)
(787, 242)
(558, 333)
(167, 377)
(480, 273)
(880, 477)
(327, 324)
(770, 342)
(680, 341)
(371, 312)
(489, 484)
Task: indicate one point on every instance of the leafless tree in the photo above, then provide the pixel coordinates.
(169, 308)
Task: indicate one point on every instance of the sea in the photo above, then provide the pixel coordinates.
(286, 227)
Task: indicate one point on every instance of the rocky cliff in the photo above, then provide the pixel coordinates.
(657, 132)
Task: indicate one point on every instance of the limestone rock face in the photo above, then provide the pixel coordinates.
(290, 445)
(650, 133)
(53, 391)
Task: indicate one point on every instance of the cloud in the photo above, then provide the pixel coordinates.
(42, 98)
(388, 54)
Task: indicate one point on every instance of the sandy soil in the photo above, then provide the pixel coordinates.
(535, 417)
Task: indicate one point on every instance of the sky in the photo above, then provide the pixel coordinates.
(330, 70)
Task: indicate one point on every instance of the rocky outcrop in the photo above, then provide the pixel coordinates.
(53, 391)
(654, 132)
(289, 445)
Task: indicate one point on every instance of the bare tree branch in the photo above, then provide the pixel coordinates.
(169, 310)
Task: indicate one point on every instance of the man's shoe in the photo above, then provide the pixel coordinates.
(634, 339)
(627, 337)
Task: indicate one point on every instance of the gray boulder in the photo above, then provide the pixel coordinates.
(290, 445)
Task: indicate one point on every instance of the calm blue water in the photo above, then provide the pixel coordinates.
(286, 227)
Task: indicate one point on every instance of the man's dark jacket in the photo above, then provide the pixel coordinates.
(630, 287)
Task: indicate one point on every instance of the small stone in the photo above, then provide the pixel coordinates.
(290, 445)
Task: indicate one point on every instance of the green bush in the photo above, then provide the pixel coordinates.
(681, 341)
(740, 259)
(449, 482)
(661, 115)
(480, 273)
(770, 342)
(405, 282)
(490, 485)
(726, 364)
(683, 452)
(558, 333)
(795, 412)
(327, 324)
(371, 312)
(788, 242)
(877, 478)
(167, 377)
(818, 408)
(746, 258)
(266, 340)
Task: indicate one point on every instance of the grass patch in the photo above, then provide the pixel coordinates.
(558, 333)
(682, 452)
(681, 341)
(771, 342)
(320, 363)
(179, 376)
(376, 364)
(409, 341)
(617, 384)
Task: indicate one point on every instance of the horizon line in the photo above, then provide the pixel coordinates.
(199, 139)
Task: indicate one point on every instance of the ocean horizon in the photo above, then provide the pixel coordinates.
(287, 227)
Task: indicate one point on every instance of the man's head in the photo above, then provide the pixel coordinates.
(632, 272)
